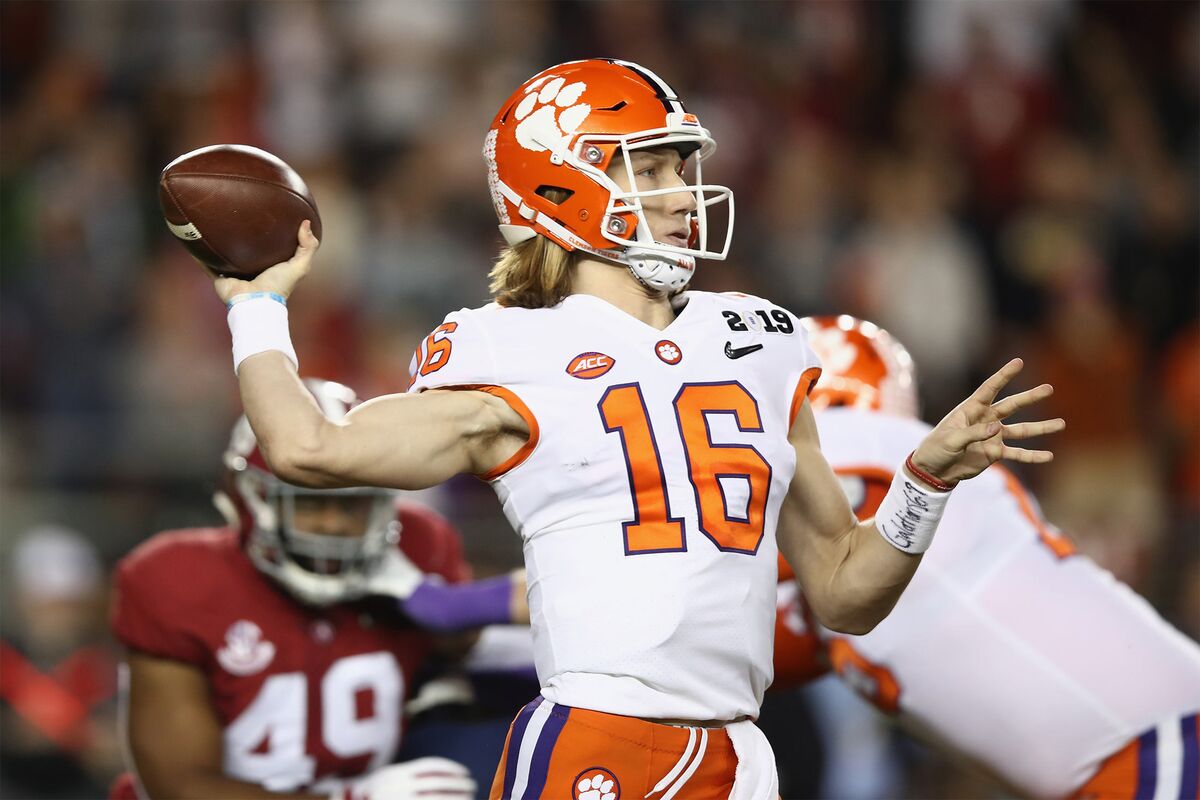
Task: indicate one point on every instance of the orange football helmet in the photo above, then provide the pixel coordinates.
(561, 130)
(862, 366)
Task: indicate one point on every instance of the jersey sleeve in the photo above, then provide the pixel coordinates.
(458, 354)
(455, 354)
(803, 370)
(147, 612)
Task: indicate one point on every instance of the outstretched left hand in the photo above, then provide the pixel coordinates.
(972, 437)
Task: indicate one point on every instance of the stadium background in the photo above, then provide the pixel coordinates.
(983, 178)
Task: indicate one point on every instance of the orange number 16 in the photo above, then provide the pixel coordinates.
(437, 348)
(653, 529)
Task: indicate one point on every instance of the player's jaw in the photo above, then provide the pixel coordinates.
(326, 532)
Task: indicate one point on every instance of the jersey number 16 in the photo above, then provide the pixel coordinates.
(653, 529)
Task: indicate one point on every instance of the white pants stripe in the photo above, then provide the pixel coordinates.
(525, 756)
(1170, 761)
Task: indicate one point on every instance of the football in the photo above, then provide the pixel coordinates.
(236, 208)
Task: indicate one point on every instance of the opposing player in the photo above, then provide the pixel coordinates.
(267, 658)
(645, 442)
(1007, 648)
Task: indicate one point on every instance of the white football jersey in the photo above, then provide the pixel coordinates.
(1031, 661)
(648, 493)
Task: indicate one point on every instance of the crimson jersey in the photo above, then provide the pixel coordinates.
(303, 694)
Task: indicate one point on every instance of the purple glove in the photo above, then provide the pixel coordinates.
(448, 608)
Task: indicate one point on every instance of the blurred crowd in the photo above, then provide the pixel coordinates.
(985, 179)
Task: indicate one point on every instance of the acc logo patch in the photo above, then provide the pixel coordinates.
(596, 783)
(668, 351)
(590, 365)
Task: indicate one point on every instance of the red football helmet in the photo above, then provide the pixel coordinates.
(317, 568)
(862, 366)
(561, 130)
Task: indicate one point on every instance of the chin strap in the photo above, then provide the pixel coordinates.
(662, 272)
(658, 271)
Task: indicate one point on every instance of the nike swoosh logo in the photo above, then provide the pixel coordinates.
(738, 352)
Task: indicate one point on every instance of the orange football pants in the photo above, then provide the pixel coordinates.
(565, 753)
(1162, 762)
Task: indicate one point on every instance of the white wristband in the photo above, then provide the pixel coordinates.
(909, 513)
(258, 322)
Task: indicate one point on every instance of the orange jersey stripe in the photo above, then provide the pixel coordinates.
(1060, 545)
(519, 406)
(807, 381)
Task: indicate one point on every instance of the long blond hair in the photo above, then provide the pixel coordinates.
(535, 273)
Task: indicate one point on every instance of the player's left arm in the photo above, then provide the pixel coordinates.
(854, 572)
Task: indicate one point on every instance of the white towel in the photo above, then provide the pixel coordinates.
(755, 778)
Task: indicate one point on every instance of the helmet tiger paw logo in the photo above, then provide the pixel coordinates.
(596, 783)
(542, 125)
(836, 352)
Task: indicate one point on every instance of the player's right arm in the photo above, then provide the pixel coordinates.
(399, 441)
(175, 737)
(402, 441)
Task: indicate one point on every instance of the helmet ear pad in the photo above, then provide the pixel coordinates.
(574, 210)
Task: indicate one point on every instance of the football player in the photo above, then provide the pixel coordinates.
(1008, 648)
(644, 441)
(268, 658)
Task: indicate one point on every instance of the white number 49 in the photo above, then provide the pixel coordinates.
(279, 717)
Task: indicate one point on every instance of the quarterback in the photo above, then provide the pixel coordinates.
(1008, 648)
(647, 443)
(268, 658)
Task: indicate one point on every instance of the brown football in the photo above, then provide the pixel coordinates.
(235, 207)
